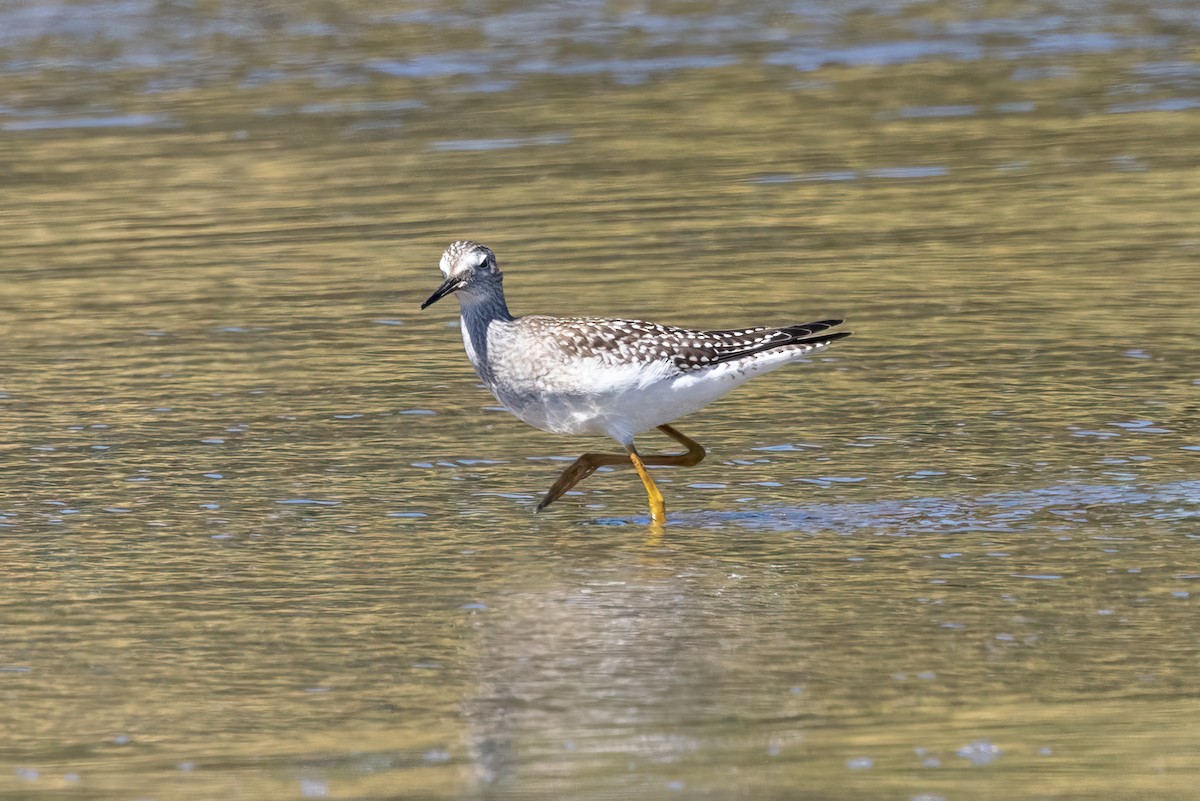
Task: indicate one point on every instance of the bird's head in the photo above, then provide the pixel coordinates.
(465, 265)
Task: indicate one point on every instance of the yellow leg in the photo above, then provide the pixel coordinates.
(586, 464)
(694, 455)
(658, 509)
(580, 469)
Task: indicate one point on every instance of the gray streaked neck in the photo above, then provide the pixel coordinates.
(481, 306)
(484, 302)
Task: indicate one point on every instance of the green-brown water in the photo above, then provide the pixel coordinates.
(265, 537)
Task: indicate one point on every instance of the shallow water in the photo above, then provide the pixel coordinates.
(266, 537)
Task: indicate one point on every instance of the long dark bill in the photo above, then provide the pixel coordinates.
(448, 286)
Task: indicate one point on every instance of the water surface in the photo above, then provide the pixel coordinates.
(266, 537)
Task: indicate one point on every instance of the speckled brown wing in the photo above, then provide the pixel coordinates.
(730, 345)
(635, 341)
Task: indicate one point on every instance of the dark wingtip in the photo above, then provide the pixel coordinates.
(822, 339)
(805, 329)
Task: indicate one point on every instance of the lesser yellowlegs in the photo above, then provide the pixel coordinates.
(595, 375)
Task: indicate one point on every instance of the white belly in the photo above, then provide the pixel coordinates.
(621, 409)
